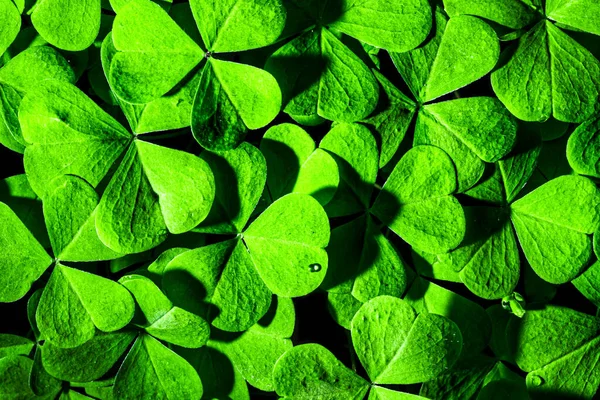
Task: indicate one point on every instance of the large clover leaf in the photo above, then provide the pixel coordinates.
(321, 77)
(552, 225)
(471, 130)
(582, 149)
(74, 303)
(558, 347)
(21, 74)
(68, 25)
(10, 20)
(394, 345)
(547, 73)
(276, 253)
(65, 129)
(152, 369)
(231, 97)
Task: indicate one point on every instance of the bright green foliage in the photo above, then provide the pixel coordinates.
(14, 374)
(40, 63)
(479, 377)
(472, 320)
(171, 111)
(391, 119)
(276, 255)
(152, 370)
(146, 67)
(513, 14)
(404, 348)
(463, 50)
(320, 77)
(231, 97)
(283, 249)
(10, 22)
(588, 283)
(296, 165)
(582, 149)
(11, 345)
(168, 232)
(180, 327)
(229, 26)
(315, 93)
(61, 139)
(255, 352)
(447, 72)
(551, 228)
(471, 130)
(75, 303)
(16, 193)
(68, 25)
(558, 347)
(143, 177)
(578, 14)
(375, 22)
(72, 364)
(393, 343)
(41, 382)
(311, 370)
(407, 199)
(561, 80)
(72, 230)
(565, 208)
(355, 150)
(17, 271)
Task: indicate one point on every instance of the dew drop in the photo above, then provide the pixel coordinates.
(314, 267)
(536, 380)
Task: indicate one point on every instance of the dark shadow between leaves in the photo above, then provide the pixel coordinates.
(190, 295)
(296, 74)
(227, 204)
(214, 368)
(285, 157)
(339, 271)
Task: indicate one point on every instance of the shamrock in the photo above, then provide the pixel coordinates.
(547, 73)
(552, 224)
(231, 97)
(320, 77)
(393, 343)
(232, 281)
(142, 201)
(472, 130)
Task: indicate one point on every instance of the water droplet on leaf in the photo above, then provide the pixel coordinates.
(314, 267)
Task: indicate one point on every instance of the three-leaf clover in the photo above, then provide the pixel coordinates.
(280, 252)
(363, 262)
(320, 77)
(547, 73)
(154, 190)
(551, 224)
(393, 343)
(231, 97)
(472, 130)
